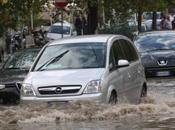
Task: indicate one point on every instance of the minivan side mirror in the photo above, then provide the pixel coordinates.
(123, 63)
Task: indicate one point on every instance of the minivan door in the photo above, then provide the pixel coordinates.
(118, 74)
(133, 81)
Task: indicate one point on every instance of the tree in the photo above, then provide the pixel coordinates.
(123, 8)
(92, 16)
(119, 8)
(91, 7)
(13, 12)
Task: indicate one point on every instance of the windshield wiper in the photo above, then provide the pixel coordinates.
(52, 60)
(17, 68)
(13, 68)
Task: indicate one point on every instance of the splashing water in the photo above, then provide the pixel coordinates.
(158, 105)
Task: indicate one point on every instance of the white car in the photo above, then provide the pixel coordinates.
(55, 31)
(103, 68)
(148, 24)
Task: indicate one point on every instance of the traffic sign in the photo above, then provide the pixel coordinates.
(60, 3)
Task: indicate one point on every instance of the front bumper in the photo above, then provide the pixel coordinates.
(156, 71)
(84, 97)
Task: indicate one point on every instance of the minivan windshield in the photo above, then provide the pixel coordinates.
(72, 56)
(58, 29)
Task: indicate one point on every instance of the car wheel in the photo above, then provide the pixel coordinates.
(113, 98)
(5, 101)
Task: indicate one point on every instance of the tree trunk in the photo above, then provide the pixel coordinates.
(140, 19)
(154, 21)
(92, 18)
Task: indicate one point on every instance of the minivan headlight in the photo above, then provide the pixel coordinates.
(27, 90)
(93, 86)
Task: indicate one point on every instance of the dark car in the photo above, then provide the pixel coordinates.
(13, 72)
(157, 50)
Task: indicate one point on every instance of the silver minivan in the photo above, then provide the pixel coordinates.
(103, 68)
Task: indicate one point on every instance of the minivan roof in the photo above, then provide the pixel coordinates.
(84, 39)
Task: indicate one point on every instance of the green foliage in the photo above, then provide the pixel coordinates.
(121, 8)
(121, 30)
(125, 7)
(17, 12)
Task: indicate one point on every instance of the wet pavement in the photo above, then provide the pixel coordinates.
(156, 112)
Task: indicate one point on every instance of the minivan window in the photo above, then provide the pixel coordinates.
(129, 50)
(72, 56)
(111, 58)
(58, 29)
(118, 53)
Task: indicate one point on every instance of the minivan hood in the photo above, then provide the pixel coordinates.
(63, 77)
(56, 36)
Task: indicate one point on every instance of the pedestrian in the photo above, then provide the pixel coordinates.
(173, 23)
(78, 25)
(167, 23)
(162, 23)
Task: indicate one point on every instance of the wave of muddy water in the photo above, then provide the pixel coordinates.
(156, 112)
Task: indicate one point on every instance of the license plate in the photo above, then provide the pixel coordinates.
(163, 73)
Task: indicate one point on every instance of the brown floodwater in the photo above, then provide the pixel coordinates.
(156, 112)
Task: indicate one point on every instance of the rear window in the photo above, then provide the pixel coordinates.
(58, 29)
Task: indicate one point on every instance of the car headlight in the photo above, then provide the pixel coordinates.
(27, 90)
(93, 86)
(2, 86)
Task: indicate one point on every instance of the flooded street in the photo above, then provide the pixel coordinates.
(156, 112)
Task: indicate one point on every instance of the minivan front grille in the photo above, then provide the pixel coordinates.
(59, 90)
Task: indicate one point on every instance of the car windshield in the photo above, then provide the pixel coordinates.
(21, 60)
(72, 56)
(58, 29)
(153, 42)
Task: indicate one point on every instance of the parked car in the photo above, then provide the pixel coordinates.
(149, 15)
(103, 68)
(157, 50)
(148, 24)
(13, 72)
(55, 31)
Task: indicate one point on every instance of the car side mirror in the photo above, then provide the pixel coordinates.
(123, 63)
